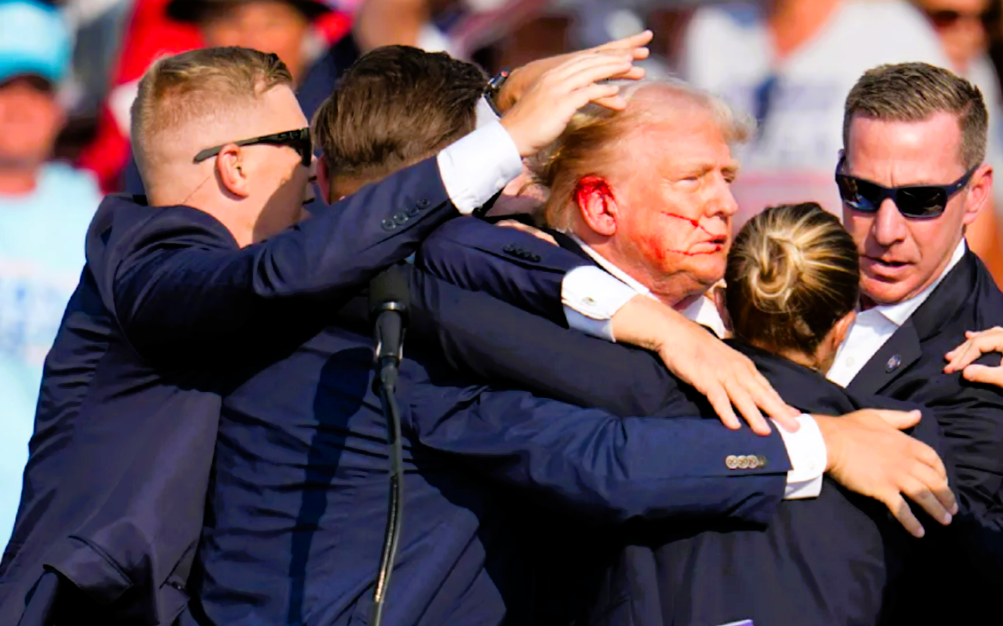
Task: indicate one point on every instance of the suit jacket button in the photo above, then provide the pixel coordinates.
(893, 363)
(388, 224)
(743, 462)
(510, 248)
(535, 258)
(400, 218)
(731, 461)
(762, 460)
(423, 204)
(753, 462)
(411, 211)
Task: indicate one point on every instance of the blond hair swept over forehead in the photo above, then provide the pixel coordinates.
(912, 92)
(196, 88)
(589, 144)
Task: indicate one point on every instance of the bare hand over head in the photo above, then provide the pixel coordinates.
(522, 78)
(545, 110)
(867, 454)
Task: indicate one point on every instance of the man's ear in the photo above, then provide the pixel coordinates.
(979, 193)
(597, 205)
(324, 181)
(231, 170)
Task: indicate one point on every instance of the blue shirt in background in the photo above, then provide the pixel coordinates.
(41, 256)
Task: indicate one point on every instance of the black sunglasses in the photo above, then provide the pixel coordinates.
(915, 201)
(946, 18)
(298, 140)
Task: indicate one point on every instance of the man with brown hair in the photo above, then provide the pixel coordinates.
(913, 177)
(179, 301)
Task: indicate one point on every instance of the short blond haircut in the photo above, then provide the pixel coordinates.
(590, 143)
(912, 92)
(197, 87)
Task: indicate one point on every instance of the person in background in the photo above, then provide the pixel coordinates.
(45, 208)
(299, 31)
(961, 26)
(791, 63)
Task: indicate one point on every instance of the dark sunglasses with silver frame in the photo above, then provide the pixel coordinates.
(299, 140)
(912, 201)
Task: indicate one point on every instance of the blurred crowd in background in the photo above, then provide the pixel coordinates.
(69, 69)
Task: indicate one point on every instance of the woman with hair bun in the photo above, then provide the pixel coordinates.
(792, 285)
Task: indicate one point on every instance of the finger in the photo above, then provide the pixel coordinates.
(938, 488)
(899, 420)
(576, 66)
(923, 496)
(642, 38)
(900, 509)
(601, 92)
(969, 351)
(928, 457)
(748, 409)
(719, 399)
(984, 374)
(767, 399)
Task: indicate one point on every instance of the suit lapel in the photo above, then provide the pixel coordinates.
(904, 347)
(896, 355)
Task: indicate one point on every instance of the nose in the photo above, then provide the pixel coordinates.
(889, 225)
(723, 201)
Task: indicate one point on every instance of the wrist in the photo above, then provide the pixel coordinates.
(828, 427)
(643, 322)
(501, 91)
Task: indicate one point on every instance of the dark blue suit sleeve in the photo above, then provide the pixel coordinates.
(506, 263)
(587, 461)
(181, 282)
(491, 340)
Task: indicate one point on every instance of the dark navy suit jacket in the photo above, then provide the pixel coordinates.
(528, 272)
(167, 313)
(301, 485)
(828, 561)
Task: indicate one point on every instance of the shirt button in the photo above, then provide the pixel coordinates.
(588, 300)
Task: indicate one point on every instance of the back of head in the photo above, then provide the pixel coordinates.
(592, 143)
(792, 273)
(913, 92)
(394, 107)
(195, 100)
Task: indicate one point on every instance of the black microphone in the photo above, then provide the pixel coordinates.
(389, 297)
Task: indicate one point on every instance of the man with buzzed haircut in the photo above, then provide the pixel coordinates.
(182, 298)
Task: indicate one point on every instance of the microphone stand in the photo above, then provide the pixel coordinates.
(389, 323)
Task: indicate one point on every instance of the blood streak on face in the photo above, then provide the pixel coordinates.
(697, 226)
(589, 187)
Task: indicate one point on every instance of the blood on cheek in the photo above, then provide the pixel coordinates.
(591, 187)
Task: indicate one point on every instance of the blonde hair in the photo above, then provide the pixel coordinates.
(589, 143)
(792, 273)
(196, 87)
(912, 92)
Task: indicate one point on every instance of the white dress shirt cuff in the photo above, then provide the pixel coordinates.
(478, 166)
(484, 114)
(806, 450)
(591, 298)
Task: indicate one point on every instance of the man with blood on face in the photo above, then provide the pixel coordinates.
(661, 216)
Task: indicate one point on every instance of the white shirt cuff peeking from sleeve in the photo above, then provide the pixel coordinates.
(806, 450)
(478, 166)
(591, 297)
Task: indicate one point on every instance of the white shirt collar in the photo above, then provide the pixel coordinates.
(605, 263)
(899, 312)
(702, 310)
